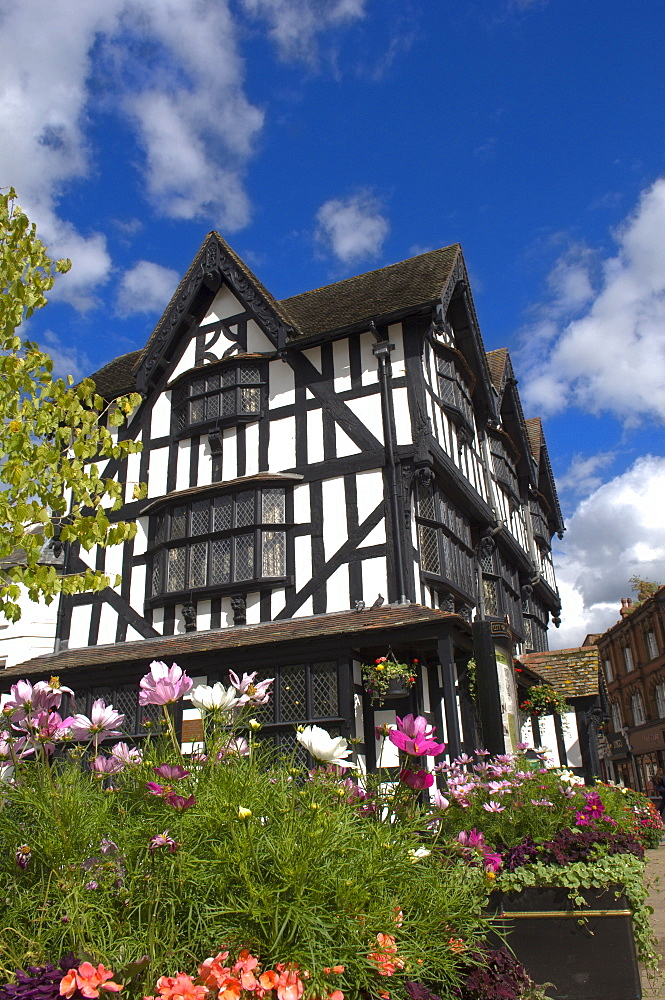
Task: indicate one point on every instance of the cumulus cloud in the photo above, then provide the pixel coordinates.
(294, 24)
(146, 288)
(581, 477)
(592, 334)
(615, 533)
(352, 228)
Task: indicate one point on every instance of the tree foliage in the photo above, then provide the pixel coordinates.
(643, 588)
(53, 436)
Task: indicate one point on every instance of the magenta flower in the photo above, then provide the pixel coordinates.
(126, 755)
(440, 801)
(493, 807)
(162, 840)
(46, 728)
(417, 746)
(156, 789)
(172, 772)
(418, 780)
(106, 765)
(23, 856)
(163, 685)
(472, 839)
(415, 726)
(101, 724)
(179, 802)
(250, 692)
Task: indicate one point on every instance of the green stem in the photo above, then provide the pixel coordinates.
(171, 728)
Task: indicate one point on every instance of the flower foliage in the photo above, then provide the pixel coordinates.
(378, 675)
(545, 700)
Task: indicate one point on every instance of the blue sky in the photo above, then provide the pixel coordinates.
(324, 138)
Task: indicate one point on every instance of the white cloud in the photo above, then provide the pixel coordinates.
(610, 357)
(352, 228)
(616, 533)
(67, 360)
(294, 24)
(581, 477)
(146, 288)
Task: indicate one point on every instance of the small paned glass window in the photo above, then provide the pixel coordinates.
(659, 692)
(628, 659)
(609, 676)
(220, 540)
(637, 708)
(444, 539)
(452, 388)
(234, 392)
(617, 721)
(652, 647)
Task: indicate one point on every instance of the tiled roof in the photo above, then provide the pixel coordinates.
(389, 290)
(366, 626)
(117, 377)
(572, 672)
(496, 362)
(534, 430)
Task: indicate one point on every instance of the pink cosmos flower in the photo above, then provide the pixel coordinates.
(180, 987)
(45, 728)
(238, 747)
(179, 802)
(101, 724)
(171, 772)
(106, 765)
(162, 840)
(418, 780)
(250, 692)
(418, 746)
(163, 685)
(440, 801)
(493, 807)
(126, 755)
(415, 726)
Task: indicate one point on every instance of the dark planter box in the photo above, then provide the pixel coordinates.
(595, 960)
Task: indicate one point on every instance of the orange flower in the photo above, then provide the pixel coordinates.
(336, 995)
(88, 980)
(387, 960)
(180, 987)
(213, 972)
(456, 944)
(245, 965)
(230, 989)
(289, 984)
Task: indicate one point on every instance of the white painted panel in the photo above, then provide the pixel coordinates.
(224, 304)
(387, 754)
(179, 626)
(141, 536)
(133, 475)
(443, 737)
(257, 342)
(281, 384)
(80, 627)
(368, 410)
(132, 635)
(182, 468)
(397, 356)
(226, 616)
(277, 602)
(303, 559)
(377, 535)
(358, 718)
(282, 445)
(203, 610)
(204, 472)
(334, 515)
(305, 611)
(402, 416)
(302, 513)
(160, 416)
(187, 360)
(137, 588)
(343, 443)
(425, 688)
(314, 356)
(374, 579)
(157, 472)
(253, 609)
(571, 740)
(108, 624)
(369, 488)
(90, 557)
(251, 449)
(341, 366)
(314, 436)
(368, 363)
(229, 453)
(337, 590)
(114, 562)
(357, 672)
(158, 620)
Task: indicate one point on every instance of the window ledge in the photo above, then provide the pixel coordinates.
(217, 590)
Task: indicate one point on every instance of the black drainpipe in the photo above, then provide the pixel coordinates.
(382, 351)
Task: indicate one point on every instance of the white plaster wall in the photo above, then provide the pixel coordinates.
(141, 536)
(224, 304)
(182, 470)
(343, 443)
(251, 449)
(341, 365)
(133, 475)
(160, 416)
(113, 562)
(132, 635)
(203, 611)
(368, 362)
(337, 590)
(204, 473)
(314, 356)
(369, 487)
(374, 579)
(281, 385)
(277, 601)
(80, 626)
(377, 535)
(334, 515)
(282, 444)
(187, 360)
(396, 337)
(34, 633)
(137, 588)
(229, 454)
(302, 511)
(368, 410)
(108, 624)
(314, 436)
(157, 472)
(306, 609)
(402, 416)
(158, 620)
(257, 342)
(303, 559)
(253, 609)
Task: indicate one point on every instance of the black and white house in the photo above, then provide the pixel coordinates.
(330, 476)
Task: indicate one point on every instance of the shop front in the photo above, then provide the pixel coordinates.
(648, 748)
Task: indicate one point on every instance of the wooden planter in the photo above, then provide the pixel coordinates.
(593, 960)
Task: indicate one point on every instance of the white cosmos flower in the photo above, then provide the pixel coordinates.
(325, 748)
(214, 699)
(418, 853)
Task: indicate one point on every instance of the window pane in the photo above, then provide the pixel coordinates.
(182, 419)
(244, 567)
(323, 680)
(292, 702)
(178, 522)
(528, 635)
(272, 502)
(447, 391)
(157, 574)
(491, 598)
(177, 569)
(222, 513)
(249, 375)
(198, 386)
(250, 400)
(244, 509)
(200, 517)
(159, 529)
(125, 700)
(426, 504)
(429, 549)
(220, 565)
(212, 382)
(228, 402)
(274, 553)
(229, 376)
(213, 407)
(198, 564)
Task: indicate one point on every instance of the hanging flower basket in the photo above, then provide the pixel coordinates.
(386, 678)
(543, 699)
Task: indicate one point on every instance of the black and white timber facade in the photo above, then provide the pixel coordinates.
(328, 477)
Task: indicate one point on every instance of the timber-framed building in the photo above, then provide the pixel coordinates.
(328, 476)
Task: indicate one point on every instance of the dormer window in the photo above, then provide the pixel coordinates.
(453, 390)
(221, 396)
(219, 540)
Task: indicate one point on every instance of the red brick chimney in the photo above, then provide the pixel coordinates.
(626, 606)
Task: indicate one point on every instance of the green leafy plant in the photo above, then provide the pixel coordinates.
(543, 699)
(378, 675)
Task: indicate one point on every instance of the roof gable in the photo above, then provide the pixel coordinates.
(573, 672)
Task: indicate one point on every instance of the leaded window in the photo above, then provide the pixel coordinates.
(652, 647)
(221, 396)
(220, 540)
(503, 463)
(444, 538)
(617, 721)
(539, 520)
(452, 388)
(637, 708)
(534, 621)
